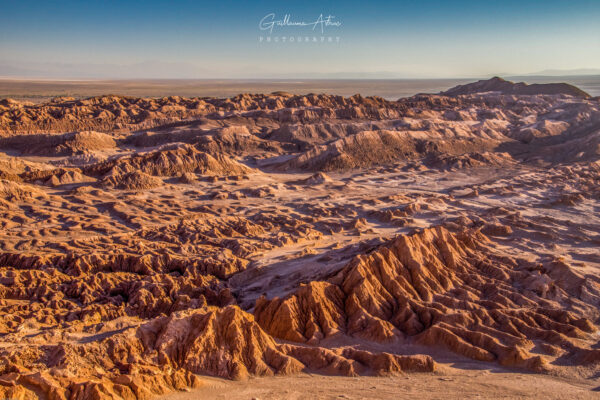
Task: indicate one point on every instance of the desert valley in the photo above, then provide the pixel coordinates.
(155, 246)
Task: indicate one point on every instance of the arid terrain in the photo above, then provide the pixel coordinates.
(281, 246)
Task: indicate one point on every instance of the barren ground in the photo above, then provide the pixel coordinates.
(283, 246)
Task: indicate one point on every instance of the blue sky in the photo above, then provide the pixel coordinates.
(220, 39)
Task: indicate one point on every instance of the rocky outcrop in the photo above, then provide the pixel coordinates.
(165, 353)
(14, 191)
(373, 148)
(108, 113)
(441, 289)
(496, 84)
(468, 160)
(134, 180)
(67, 144)
(172, 161)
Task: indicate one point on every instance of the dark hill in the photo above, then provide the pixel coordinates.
(507, 87)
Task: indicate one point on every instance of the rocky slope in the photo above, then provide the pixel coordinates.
(148, 243)
(438, 288)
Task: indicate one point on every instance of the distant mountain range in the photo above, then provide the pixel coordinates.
(156, 69)
(566, 72)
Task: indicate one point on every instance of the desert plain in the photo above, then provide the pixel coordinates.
(280, 246)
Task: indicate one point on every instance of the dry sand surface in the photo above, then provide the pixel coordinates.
(286, 246)
(446, 385)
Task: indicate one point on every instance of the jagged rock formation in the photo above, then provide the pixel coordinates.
(60, 145)
(107, 113)
(13, 191)
(443, 289)
(188, 237)
(172, 162)
(135, 180)
(469, 160)
(163, 354)
(360, 150)
(317, 130)
(382, 147)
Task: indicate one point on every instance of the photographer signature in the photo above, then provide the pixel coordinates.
(268, 22)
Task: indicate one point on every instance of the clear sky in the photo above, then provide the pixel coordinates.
(221, 39)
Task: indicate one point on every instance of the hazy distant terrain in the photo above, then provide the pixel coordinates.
(40, 90)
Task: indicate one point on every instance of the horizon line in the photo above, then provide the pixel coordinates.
(286, 79)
